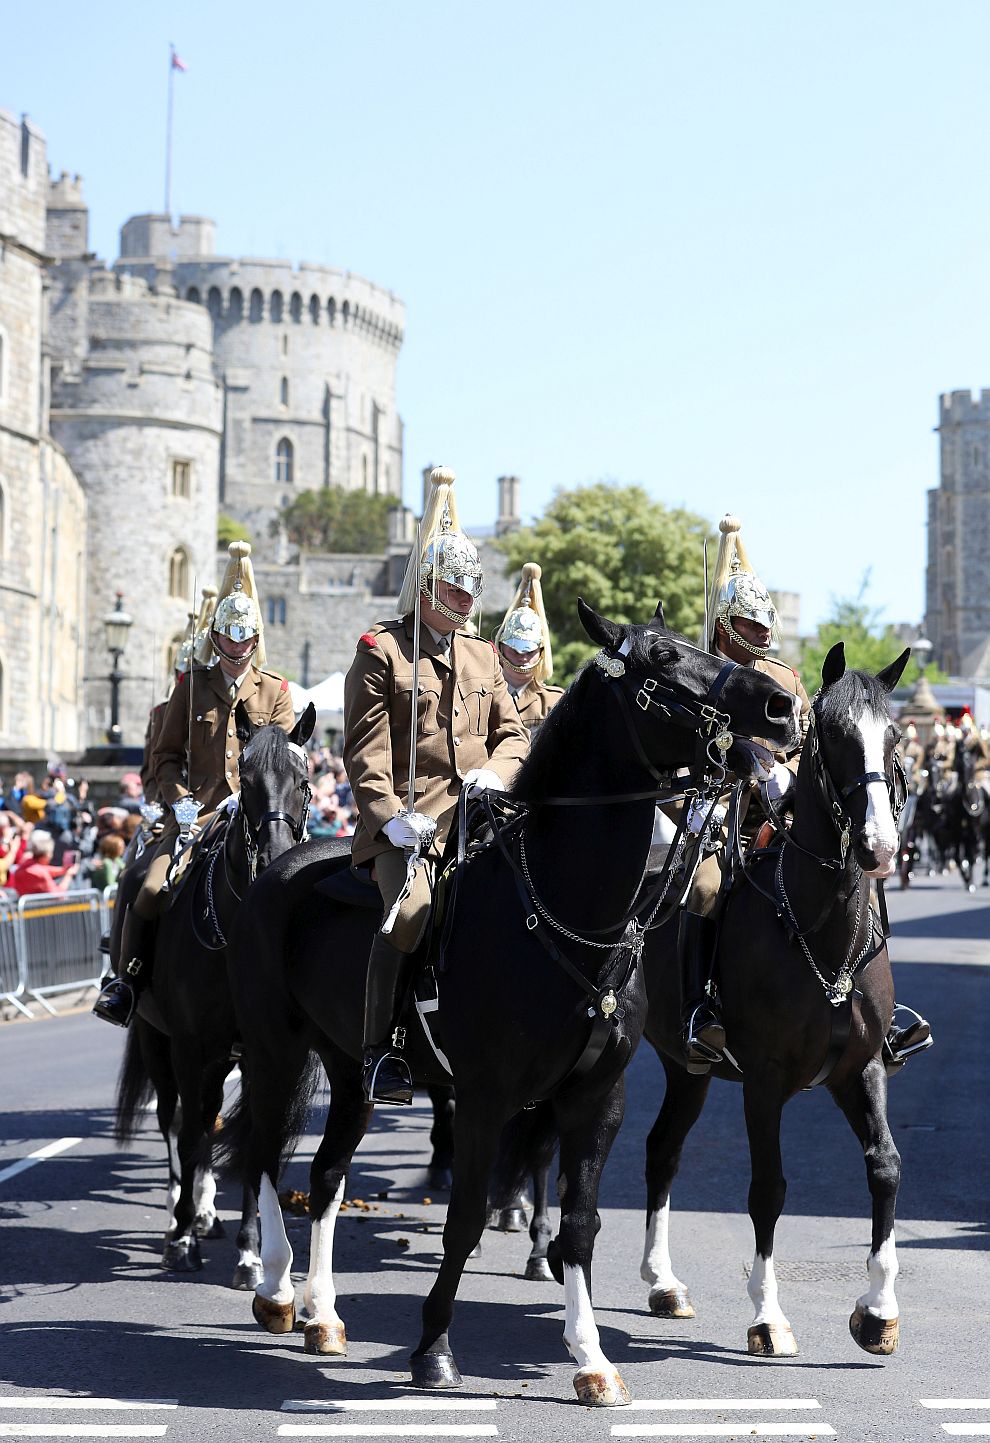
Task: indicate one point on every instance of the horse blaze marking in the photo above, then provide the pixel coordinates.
(52, 1149)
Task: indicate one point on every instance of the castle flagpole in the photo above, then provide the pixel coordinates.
(174, 64)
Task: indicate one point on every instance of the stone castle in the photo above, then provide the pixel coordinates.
(139, 401)
(957, 592)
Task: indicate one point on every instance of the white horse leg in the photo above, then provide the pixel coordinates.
(207, 1224)
(668, 1296)
(274, 1298)
(174, 1184)
(875, 1323)
(597, 1381)
(324, 1329)
(769, 1333)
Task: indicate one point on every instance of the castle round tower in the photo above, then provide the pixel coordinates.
(307, 357)
(139, 413)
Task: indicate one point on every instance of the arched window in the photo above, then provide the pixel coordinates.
(256, 306)
(314, 310)
(178, 573)
(275, 309)
(283, 391)
(346, 312)
(284, 462)
(276, 610)
(332, 311)
(192, 294)
(214, 302)
(295, 306)
(235, 304)
(182, 479)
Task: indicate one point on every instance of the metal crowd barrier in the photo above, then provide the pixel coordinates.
(12, 981)
(59, 935)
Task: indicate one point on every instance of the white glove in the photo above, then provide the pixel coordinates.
(698, 813)
(482, 780)
(409, 830)
(779, 782)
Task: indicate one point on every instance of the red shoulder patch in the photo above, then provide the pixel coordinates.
(181, 678)
(493, 647)
(284, 686)
(368, 639)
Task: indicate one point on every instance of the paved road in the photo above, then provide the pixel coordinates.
(88, 1315)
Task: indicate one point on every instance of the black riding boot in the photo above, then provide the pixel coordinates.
(908, 1033)
(118, 999)
(386, 1073)
(702, 1030)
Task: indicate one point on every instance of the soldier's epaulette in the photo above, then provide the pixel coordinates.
(777, 662)
(549, 686)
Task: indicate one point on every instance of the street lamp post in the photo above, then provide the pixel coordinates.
(116, 625)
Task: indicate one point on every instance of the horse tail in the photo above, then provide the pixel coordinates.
(237, 1149)
(527, 1146)
(135, 1088)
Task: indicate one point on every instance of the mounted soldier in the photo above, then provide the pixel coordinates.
(523, 642)
(407, 768)
(214, 709)
(194, 643)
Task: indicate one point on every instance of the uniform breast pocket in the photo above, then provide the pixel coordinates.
(427, 708)
(205, 724)
(478, 705)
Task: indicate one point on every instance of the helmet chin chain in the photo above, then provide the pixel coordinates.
(455, 616)
(758, 651)
(223, 655)
(523, 666)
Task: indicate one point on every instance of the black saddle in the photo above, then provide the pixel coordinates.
(345, 885)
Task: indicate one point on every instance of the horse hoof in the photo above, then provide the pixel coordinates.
(510, 1220)
(326, 1338)
(600, 1390)
(440, 1179)
(672, 1303)
(434, 1370)
(771, 1340)
(247, 1277)
(208, 1225)
(538, 1271)
(182, 1256)
(875, 1335)
(273, 1317)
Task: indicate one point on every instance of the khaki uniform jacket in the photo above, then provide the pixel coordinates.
(533, 703)
(148, 784)
(465, 719)
(215, 750)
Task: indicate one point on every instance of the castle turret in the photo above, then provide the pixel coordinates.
(957, 602)
(140, 416)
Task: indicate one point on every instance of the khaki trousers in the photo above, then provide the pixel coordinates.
(410, 924)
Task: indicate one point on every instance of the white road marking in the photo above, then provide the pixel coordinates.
(388, 1430)
(63, 1400)
(970, 1430)
(719, 1430)
(941, 1403)
(52, 1149)
(372, 1405)
(721, 1405)
(82, 1430)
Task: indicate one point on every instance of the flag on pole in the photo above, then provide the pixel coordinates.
(177, 64)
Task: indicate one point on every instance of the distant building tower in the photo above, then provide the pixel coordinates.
(508, 505)
(138, 410)
(957, 600)
(307, 360)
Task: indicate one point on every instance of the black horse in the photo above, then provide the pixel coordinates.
(806, 989)
(964, 815)
(516, 1011)
(179, 1043)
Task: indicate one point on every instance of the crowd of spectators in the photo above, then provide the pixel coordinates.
(52, 838)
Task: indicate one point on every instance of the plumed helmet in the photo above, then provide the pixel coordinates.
(238, 616)
(524, 626)
(203, 646)
(184, 651)
(737, 591)
(446, 554)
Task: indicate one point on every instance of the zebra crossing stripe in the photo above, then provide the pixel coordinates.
(722, 1405)
(51, 1149)
(83, 1430)
(372, 1405)
(969, 1430)
(951, 1403)
(62, 1400)
(719, 1430)
(388, 1430)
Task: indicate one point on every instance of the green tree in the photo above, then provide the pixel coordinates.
(869, 645)
(621, 552)
(229, 530)
(332, 519)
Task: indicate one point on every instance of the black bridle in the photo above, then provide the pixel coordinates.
(253, 830)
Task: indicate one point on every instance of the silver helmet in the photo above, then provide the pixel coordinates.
(524, 627)
(737, 592)
(238, 616)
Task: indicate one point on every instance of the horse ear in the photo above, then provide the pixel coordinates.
(599, 628)
(658, 623)
(891, 675)
(834, 664)
(304, 727)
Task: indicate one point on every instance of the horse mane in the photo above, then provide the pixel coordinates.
(853, 693)
(644, 643)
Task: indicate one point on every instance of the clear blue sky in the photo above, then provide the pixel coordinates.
(733, 251)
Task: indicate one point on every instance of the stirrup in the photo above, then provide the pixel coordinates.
(387, 1079)
(116, 1003)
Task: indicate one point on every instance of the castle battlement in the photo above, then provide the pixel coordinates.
(957, 408)
(23, 181)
